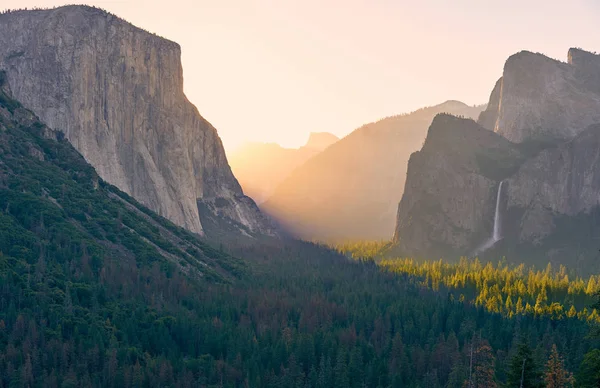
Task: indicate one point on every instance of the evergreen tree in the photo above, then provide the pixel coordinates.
(523, 371)
(556, 375)
(589, 371)
(481, 366)
(484, 366)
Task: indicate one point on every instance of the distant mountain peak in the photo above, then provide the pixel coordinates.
(320, 140)
(453, 103)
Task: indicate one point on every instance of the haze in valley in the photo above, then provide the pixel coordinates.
(274, 71)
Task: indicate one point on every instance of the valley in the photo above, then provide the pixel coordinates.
(454, 246)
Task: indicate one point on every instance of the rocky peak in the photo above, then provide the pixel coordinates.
(542, 98)
(116, 91)
(579, 57)
(461, 135)
(586, 67)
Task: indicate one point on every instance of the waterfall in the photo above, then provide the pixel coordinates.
(497, 232)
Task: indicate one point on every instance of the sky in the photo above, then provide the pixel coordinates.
(276, 70)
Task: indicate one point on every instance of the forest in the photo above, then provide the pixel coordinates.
(97, 291)
(508, 290)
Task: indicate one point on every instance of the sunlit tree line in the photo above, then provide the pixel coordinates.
(505, 289)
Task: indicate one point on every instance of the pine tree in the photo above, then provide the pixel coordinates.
(484, 366)
(523, 372)
(556, 375)
(589, 371)
(481, 365)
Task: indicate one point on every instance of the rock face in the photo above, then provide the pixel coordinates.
(116, 92)
(352, 189)
(538, 97)
(545, 148)
(450, 192)
(261, 167)
(561, 180)
(42, 175)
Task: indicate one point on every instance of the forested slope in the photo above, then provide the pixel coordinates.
(97, 291)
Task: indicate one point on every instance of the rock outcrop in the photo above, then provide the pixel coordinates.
(544, 149)
(116, 92)
(352, 189)
(542, 98)
(452, 182)
(53, 204)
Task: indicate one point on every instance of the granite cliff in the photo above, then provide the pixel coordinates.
(451, 186)
(116, 91)
(543, 147)
(542, 98)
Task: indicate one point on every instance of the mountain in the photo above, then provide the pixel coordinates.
(451, 187)
(116, 92)
(539, 97)
(351, 190)
(260, 167)
(529, 190)
(54, 206)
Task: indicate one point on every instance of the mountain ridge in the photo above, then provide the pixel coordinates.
(352, 189)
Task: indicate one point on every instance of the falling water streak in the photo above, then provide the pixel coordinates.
(497, 226)
(497, 232)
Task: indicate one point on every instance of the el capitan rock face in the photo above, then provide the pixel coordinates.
(116, 92)
(544, 149)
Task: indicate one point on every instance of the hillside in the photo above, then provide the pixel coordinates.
(99, 291)
(261, 167)
(116, 92)
(352, 189)
(55, 206)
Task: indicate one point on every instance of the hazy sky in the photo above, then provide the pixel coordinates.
(275, 70)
